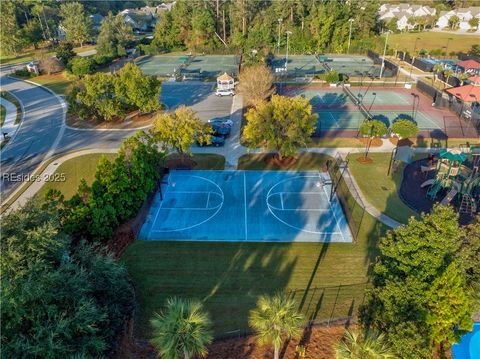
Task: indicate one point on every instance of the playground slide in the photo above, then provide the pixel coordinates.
(427, 183)
(448, 198)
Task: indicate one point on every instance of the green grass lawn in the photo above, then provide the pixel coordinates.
(380, 189)
(431, 41)
(74, 170)
(58, 83)
(328, 280)
(9, 97)
(205, 161)
(306, 161)
(3, 113)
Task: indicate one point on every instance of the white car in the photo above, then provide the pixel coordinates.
(220, 92)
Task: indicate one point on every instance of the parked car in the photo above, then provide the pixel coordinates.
(221, 120)
(215, 141)
(221, 129)
(222, 93)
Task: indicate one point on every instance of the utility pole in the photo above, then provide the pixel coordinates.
(286, 57)
(384, 53)
(278, 41)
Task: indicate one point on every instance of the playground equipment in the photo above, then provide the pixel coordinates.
(461, 180)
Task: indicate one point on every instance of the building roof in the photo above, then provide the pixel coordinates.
(225, 77)
(475, 79)
(469, 64)
(467, 93)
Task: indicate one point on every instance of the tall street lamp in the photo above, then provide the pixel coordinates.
(374, 97)
(446, 47)
(286, 56)
(349, 34)
(416, 99)
(278, 41)
(413, 57)
(384, 53)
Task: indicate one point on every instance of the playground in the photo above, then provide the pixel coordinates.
(342, 109)
(255, 206)
(451, 177)
(189, 66)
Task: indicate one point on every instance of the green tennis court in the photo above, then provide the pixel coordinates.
(351, 120)
(213, 65)
(162, 65)
(297, 65)
(196, 66)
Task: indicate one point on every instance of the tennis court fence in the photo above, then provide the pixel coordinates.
(468, 123)
(357, 102)
(347, 194)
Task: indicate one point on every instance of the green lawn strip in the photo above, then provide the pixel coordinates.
(335, 142)
(9, 97)
(305, 161)
(5, 60)
(431, 41)
(205, 161)
(328, 280)
(58, 83)
(73, 170)
(3, 113)
(380, 189)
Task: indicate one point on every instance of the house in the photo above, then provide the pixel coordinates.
(96, 21)
(468, 93)
(464, 15)
(138, 20)
(403, 12)
(469, 66)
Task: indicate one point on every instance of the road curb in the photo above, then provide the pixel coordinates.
(22, 116)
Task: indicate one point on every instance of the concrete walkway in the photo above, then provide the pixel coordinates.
(9, 125)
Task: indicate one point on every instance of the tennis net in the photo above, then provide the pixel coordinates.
(357, 102)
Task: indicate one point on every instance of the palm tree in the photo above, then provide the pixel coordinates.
(182, 330)
(367, 345)
(275, 319)
(436, 69)
(447, 74)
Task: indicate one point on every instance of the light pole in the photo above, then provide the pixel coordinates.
(413, 57)
(349, 34)
(286, 56)
(415, 99)
(278, 41)
(446, 47)
(374, 97)
(384, 53)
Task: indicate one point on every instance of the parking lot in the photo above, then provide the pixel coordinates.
(198, 95)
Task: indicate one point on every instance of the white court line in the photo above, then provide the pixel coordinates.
(428, 120)
(208, 200)
(190, 208)
(158, 210)
(281, 199)
(245, 201)
(333, 118)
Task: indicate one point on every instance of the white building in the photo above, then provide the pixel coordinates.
(464, 15)
(403, 12)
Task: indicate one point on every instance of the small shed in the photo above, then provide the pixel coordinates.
(225, 82)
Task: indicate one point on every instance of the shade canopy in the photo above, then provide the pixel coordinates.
(453, 155)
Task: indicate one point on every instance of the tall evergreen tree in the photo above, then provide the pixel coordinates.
(77, 25)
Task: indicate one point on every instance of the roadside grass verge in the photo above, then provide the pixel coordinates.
(9, 97)
(58, 83)
(68, 175)
(305, 161)
(3, 113)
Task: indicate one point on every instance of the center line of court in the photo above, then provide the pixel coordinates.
(245, 201)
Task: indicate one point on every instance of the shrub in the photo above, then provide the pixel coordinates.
(23, 73)
(404, 128)
(51, 65)
(81, 66)
(332, 76)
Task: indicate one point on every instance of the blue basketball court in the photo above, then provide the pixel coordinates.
(255, 206)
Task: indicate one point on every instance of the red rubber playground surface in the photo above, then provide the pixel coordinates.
(340, 116)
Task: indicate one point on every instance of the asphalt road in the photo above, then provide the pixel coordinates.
(42, 133)
(37, 135)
